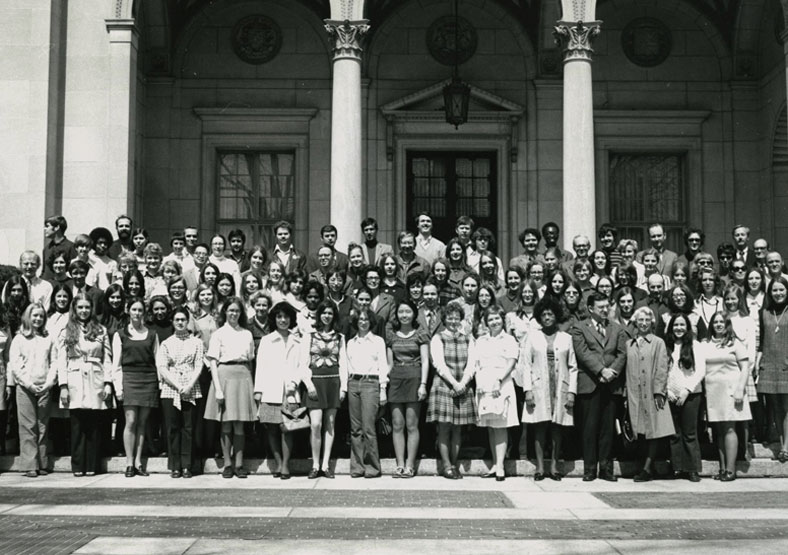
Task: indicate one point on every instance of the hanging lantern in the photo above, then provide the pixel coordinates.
(456, 97)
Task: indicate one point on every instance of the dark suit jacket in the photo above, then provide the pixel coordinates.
(297, 261)
(340, 262)
(384, 313)
(436, 324)
(666, 261)
(595, 352)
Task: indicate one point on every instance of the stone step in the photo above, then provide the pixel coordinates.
(755, 468)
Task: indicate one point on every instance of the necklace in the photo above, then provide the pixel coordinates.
(777, 327)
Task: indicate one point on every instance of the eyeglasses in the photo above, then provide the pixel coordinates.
(738, 268)
(693, 240)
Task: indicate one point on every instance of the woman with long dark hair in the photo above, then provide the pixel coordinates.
(773, 377)
(324, 364)
(134, 349)
(687, 368)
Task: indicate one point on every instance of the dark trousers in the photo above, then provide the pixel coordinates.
(363, 403)
(85, 427)
(180, 425)
(596, 413)
(684, 446)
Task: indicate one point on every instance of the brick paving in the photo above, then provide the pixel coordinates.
(38, 538)
(259, 498)
(706, 500)
(382, 529)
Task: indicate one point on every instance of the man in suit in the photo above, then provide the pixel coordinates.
(600, 347)
(339, 260)
(373, 249)
(284, 252)
(667, 258)
(79, 272)
(429, 316)
(741, 240)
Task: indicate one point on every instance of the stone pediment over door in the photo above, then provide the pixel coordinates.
(422, 112)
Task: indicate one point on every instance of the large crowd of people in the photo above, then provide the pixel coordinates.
(114, 344)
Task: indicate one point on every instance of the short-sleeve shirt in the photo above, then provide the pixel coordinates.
(407, 350)
(231, 345)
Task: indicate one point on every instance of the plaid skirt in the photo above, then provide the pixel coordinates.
(442, 407)
(752, 392)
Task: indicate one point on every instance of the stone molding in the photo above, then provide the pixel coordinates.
(576, 38)
(347, 36)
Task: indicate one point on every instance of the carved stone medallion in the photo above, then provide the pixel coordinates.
(256, 39)
(646, 41)
(441, 38)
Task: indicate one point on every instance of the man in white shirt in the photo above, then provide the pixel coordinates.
(285, 253)
(39, 290)
(427, 246)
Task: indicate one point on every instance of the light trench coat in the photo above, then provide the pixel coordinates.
(647, 375)
(533, 374)
(85, 368)
(277, 366)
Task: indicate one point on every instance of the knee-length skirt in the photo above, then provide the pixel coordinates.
(238, 389)
(443, 407)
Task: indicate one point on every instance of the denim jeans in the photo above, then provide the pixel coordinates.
(363, 403)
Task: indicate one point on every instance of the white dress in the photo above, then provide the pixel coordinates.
(494, 356)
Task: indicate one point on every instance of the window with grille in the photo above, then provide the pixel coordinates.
(256, 189)
(449, 185)
(648, 188)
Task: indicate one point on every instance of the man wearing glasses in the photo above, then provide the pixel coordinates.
(694, 240)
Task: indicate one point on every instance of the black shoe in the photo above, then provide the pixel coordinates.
(241, 472)
(589, 476)
(141, 472)
(276, 474)
(130, 473)
(728, 476)
(607, 476)
(313, 474)
(175, 474)
(285, 476)
(187, 473)
(693, 477)
(680, 475)
(538, 476)
(643, 476)
(500, 478)
(328, 473)
(556, 476)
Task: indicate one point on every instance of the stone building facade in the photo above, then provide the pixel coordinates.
(236, 113)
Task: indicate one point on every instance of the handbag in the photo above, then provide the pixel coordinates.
(492, 406)
(294, 420)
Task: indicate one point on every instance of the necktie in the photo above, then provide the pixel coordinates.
(428, 318)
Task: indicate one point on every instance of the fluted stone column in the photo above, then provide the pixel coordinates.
(346, 202)
(575, 37)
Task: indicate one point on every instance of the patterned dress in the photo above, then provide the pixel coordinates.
(326, 360)
(451, 351)
(405, 375)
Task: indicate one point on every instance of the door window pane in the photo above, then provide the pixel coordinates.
(256, 189)
(451, 184)
(645, 189)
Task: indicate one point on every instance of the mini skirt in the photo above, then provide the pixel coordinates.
(141, 388)
(404, 382)
(326, 382)
(239, 405)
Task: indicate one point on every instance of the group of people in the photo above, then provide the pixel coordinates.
(214, 336)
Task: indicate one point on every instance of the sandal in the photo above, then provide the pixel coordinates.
(407, 473)
(782, 456)
(398, 472)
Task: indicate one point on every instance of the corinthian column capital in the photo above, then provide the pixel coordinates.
(575, 38)
(347, 37)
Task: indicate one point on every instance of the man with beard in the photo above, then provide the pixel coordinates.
(123, 226)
